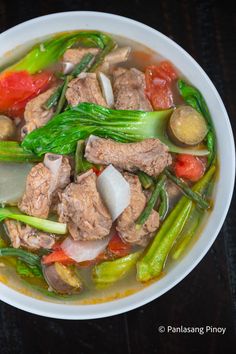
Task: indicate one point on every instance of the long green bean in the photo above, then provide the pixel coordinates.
(202, 203)
(151, 203)
(151, 264)
(145, 180)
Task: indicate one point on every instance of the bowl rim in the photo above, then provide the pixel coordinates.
(144, 296)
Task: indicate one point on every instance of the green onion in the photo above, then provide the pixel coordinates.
(62, 99)
(152, 263)
(202, 203)
(145, 180)
(106, 273)
(151, 203)
(41, 224)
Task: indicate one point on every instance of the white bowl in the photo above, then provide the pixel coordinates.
(66, 21)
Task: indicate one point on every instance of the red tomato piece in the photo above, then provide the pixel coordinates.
(17, 88)
(117, 247)
(158, 84)
(57, 256)
(189, 167)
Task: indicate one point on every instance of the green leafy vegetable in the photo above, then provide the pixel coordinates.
(11, 151)
(106, 273)
(81, 164)
(44, 54)
(152, 263)
(41, 224)
(60, 135)
(27, 270)
(25, 256)
(194, 98)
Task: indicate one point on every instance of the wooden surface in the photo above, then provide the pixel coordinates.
(206, 29)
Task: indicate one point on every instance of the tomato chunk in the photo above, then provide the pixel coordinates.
(189, 167)
(57, 256)
(158, 84)
(17, 88)
(117, 247)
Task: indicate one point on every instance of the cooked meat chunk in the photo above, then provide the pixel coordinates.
(43, 183)
(28, 237)
(129, 90)
(149, 155)
(118, 55)
(75, 55)
(126, 221)
(83, 210)
(85, 88)
(35, 115)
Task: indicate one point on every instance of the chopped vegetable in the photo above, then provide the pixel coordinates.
(118, 247)
(152, 262)
(41, 224)
(187, 126)
(62, 99)
(62, 279)
(60, 135)
(151, 203)
(12, 181)
(53, 99)
(187, 236)
(55, 47)
(164, 205)
(106, 273)
(25, 256)
(57, 256)
(84, 65)
(81, 251)
(107, 90)
(17, 88)
(114, 190)
(81, 164)
(194, 98)
(158, 84)
(189, 167)
(27, 270)
(202, 203)
(145, 180)
(7, 128)
(11, 151)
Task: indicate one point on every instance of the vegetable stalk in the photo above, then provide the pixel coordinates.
(41, 224)
(81, 164)
(61, 133)
(145, 180)
(25, 256)
(152, 263)
(11, 151)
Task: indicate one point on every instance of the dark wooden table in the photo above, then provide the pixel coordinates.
(206, 29)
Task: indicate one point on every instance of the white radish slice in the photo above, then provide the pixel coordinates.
(114, 190)
(82, 251)
(106, 87)
(67, 67)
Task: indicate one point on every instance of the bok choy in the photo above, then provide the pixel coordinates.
(48, 52)
(60, 135)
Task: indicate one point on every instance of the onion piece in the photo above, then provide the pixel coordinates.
(67, 67)
(114, 190)
(106, 87)
(82, 251)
